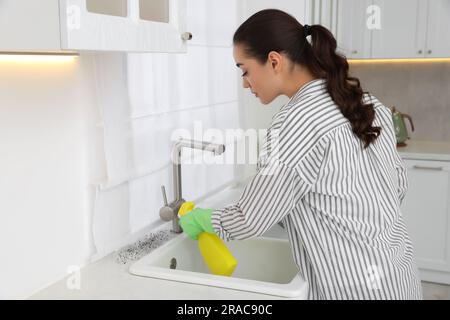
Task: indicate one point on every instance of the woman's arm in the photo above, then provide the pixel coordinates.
(269, 197)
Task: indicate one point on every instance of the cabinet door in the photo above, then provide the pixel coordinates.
(324, 12)
(438, 34)
(29, 25)
(426, 211)
(403, 29)
(352, 35)
(123, 25)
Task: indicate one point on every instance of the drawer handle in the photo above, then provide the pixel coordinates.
(429, 168)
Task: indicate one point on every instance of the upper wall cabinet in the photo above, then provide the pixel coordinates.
(353, 44)
(438, 29)
(402, 30)
(346, 19)
(94, 25)
(388, 28)
(412, 29)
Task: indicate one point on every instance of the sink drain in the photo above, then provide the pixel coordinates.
(173, 263)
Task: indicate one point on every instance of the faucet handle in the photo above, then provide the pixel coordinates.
(166, 213)
(163, 189)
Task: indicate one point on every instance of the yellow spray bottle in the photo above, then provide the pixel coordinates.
(216, 255)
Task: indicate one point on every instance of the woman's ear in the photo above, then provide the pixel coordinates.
(275, 59)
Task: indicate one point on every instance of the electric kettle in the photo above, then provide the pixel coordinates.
(400, 127)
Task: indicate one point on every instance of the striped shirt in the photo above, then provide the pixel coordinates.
(340, 203)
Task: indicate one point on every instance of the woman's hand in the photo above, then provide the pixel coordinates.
(197, 221)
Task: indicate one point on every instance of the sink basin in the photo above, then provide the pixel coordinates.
(265, 266)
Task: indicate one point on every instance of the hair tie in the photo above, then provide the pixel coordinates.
(306, 30)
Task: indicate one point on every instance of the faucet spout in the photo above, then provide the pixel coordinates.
(215, 148)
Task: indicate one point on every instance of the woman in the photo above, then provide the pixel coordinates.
(329, 170)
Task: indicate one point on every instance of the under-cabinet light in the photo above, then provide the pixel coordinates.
(36, 57)
(418, 60)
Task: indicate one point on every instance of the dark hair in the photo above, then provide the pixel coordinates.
(275, 30)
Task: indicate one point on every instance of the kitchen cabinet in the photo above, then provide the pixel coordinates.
(438, 31)
(352, 35)
(402, 31)
(347, 20)
(29, 25)
(324, 12)
(94, 25)
(406, 29)
(426, 209)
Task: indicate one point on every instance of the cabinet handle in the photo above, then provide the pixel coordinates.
(186, 36)
(429, 51)
(354, 51)
(419, 52)
(429, 168)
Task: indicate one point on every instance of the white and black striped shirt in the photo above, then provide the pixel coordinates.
(340, 203)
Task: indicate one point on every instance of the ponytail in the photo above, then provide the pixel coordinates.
(346, 92)
(275, 30)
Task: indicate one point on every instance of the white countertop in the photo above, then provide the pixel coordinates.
(425, 150)
(109, 279)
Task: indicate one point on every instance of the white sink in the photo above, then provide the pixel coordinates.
(265, 266)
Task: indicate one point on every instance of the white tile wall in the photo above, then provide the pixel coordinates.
(202, 77)
(146, 97)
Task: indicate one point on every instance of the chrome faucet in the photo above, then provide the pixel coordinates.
(170, 210)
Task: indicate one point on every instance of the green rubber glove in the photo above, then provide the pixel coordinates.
(197, 221)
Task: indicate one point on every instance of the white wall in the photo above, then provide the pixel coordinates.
(52, 156)
(47, 126)
(425, 100)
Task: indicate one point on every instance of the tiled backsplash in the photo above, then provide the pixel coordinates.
(418, 89)
(147, 101)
